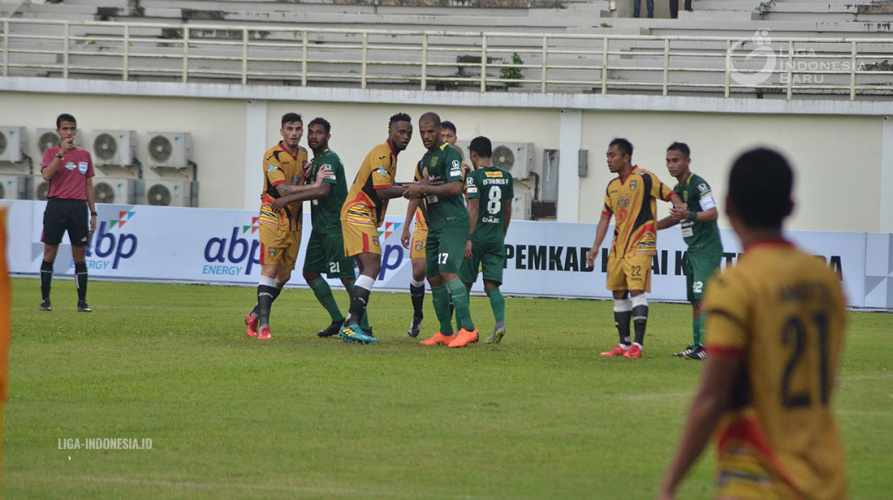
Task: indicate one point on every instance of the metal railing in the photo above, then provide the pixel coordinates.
(426, 60)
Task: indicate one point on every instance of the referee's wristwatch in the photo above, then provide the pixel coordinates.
(93, 214)
(58, 156)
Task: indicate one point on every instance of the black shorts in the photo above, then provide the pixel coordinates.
(66, 215)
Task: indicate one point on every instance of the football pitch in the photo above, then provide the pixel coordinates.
(539, 416)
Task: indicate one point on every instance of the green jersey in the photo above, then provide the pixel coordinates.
(444, 211)
(325, 213)
(700, 236)
(493, 187)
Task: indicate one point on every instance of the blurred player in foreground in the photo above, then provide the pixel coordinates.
(775, 329)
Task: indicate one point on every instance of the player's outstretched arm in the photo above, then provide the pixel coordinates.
(667, 222)
(406, 237)
(600, 231)
(711, 401)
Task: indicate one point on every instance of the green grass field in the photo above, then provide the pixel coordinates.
(539, 416)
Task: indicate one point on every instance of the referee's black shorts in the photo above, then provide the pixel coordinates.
(66, 215)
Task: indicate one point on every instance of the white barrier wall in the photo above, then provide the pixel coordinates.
(221, 246)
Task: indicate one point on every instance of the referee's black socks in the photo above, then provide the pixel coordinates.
(46, 279)
(80, 273)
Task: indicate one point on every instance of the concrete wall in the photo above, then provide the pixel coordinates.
(843, 151)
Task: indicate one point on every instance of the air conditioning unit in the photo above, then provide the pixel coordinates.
(12, 142)
(521, 206)
(463, 147)
(165, 193)
(119, 191)
(39, 188)
(14, 187)
(114, 147)
(516, 158)
(169, 149)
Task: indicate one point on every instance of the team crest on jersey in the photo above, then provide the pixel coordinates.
(70, 165)
(622, 214)
(633, 184)
(82, 167)
(433, 161)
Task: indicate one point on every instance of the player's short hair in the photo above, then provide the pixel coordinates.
(399, 117)
(760, 186)
(291, 117)
(625, 147)
(431, 117)
(681, 147)
(321, 121)
(65, 117)
(482, 147)
(449, 126)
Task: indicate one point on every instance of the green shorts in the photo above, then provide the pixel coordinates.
(487, 257)
(446, 250)
(698, 270)
(325, 255)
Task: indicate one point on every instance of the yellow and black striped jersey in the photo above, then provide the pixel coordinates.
(378, 171)
(281, 167)
(632, 202)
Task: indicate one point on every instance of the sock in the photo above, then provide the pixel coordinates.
(277, 290)
(696, 331)
(459, 294)
(623, 312)
(266, 291)
(323, 293)
(440, 299)
(359, 300)
(46, 279)
(417, 292)
(497, 303)
(702, 324)
(640, 317)
(364, 321)
(80, 273)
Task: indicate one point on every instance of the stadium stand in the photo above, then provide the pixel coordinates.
(568, 46)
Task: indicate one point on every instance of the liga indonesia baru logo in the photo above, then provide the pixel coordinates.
(762, 51)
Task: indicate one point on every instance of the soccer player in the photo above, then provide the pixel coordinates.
(417, 210)
(280, 229)
(701, 234)
(775, 332)
(448, 225)
(325, 248)
(362, 213)
(630, 198)
(485, 248)
(69, 169)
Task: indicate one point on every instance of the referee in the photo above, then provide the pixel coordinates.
(69, 170)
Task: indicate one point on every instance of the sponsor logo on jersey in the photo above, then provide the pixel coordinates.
(703, 188)
(272, 252)
(493, 174)
(70, 165)
(623, 203)
(271, 168)
(383, 171)
(419, 245)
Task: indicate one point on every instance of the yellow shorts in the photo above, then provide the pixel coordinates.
(632, 272)
(279, 247)
(419, 243)
(360, 238)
